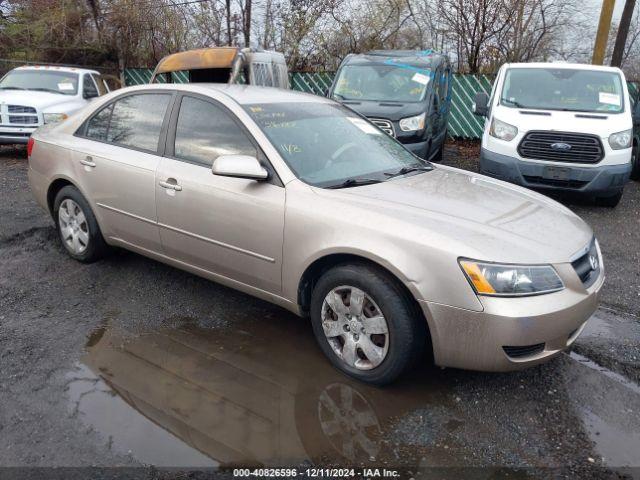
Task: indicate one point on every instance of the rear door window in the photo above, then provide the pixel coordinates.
(136, 120)
(205, 131)
(98, 125)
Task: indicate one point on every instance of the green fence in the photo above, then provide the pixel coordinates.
(462, 122)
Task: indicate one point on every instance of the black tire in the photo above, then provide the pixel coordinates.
(635, 163)
(610, 202)
(407, 328)
(96, 247)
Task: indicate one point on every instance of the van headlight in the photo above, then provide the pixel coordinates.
(511, 280)
(412, 124)
(54, 117)
(502, 130)
(620, 140)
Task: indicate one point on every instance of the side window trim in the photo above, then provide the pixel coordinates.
(160, 150)
(170, 139)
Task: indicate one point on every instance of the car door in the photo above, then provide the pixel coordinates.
(229, 226)
(116, 157)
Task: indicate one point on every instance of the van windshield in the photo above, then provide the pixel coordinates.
(326, 144)
(65, 83)
(565, 89)
(382, 83)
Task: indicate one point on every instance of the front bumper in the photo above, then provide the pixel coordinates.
(474, 340)
(12, 135)
(420, 149)
(605, 180)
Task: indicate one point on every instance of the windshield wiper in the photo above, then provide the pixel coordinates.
(405, 170)
(355, 182)
(514, 103)
(42, 89)
(12, 88)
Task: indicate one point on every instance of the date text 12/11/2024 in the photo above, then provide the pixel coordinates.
(316, 472)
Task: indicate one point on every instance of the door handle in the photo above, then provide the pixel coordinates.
(170, 186)
(88, 161)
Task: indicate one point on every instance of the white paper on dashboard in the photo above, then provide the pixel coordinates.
(609, 98)
(364, 126)
(420, 78)
(65, 86)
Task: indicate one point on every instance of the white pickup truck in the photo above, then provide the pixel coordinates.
(34, 95)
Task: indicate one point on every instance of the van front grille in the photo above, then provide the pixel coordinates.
(561, 147)
(384, 125)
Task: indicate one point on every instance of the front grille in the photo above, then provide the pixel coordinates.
(384, 125)
(584, 265)
(23, 120)
(569, 147)
(524, 350)
(552, 182)
(20, 109)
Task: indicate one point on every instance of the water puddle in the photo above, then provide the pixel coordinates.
(261, 393)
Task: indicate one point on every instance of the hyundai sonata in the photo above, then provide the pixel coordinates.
(298, 200)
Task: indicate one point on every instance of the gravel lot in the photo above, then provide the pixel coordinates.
(128, 362)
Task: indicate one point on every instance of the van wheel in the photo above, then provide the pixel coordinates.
(77, 226)
(635, 163)
(611, 201)
(366, 324)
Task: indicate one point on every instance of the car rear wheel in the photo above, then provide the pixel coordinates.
(77, 226)
(366, 324)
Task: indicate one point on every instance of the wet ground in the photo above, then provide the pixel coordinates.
(129, 362)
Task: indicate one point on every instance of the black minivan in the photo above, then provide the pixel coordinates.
(405, 92)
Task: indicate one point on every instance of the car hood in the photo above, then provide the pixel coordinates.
(30, 98)
(478, 216)
(601, 124)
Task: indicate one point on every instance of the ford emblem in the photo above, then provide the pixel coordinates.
(562, 147)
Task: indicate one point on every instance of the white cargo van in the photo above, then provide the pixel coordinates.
(557, 126)
(34, 95)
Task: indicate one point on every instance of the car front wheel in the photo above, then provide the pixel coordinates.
(366, 323)
(77, 226)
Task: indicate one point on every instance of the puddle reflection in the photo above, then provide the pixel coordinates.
(262, 394)
(258, 394)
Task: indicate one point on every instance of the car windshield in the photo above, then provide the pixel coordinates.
(563, 89)
(400, 83)
(326, 144)
(65, 83)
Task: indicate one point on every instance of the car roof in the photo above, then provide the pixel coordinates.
(563, 65)
(425, 59)
(57, 68)
(242, 94)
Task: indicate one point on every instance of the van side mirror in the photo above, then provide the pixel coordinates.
(480, 105)
(239, 166)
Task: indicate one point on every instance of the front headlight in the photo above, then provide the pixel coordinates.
(411, 124)
(620, 140)
(54, 117)
(502, 130)
(511, 280)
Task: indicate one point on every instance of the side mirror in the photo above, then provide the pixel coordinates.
(480, 105)
(239, 166)
(90, 95)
